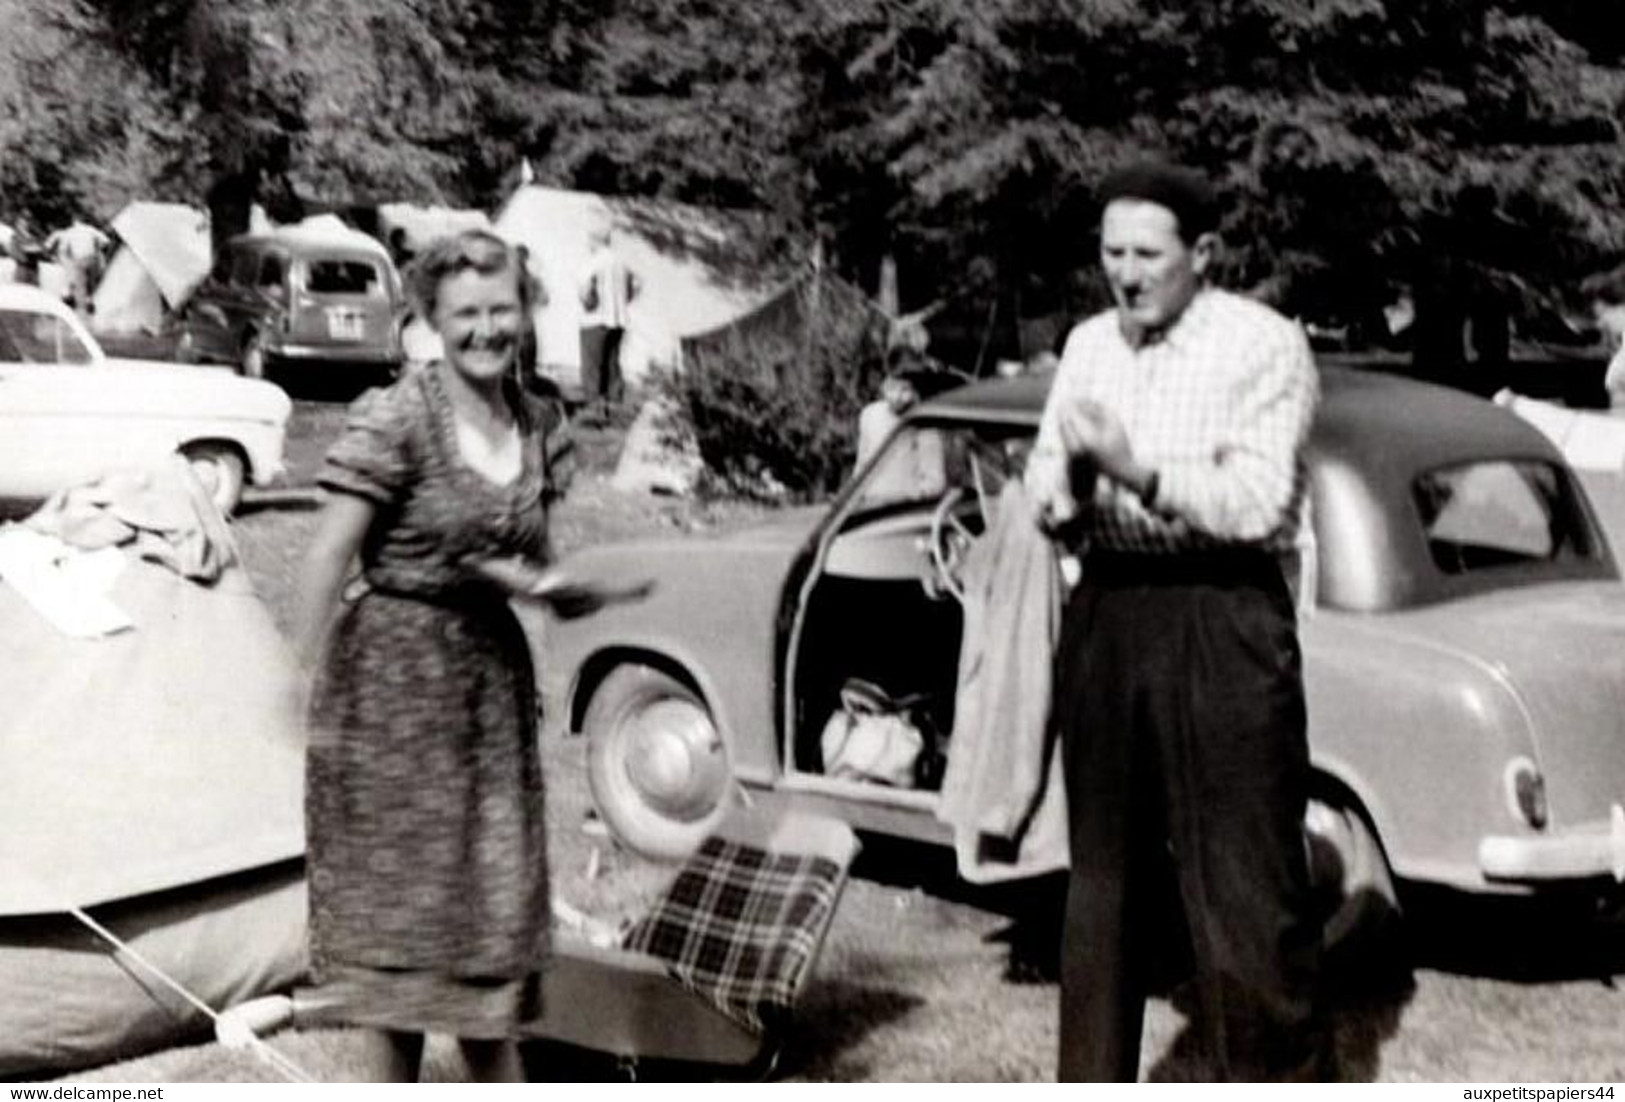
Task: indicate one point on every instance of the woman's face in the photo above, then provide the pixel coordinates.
(479, 318)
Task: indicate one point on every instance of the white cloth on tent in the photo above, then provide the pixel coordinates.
(70, 587)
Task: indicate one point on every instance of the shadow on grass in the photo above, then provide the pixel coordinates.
(832, 1021)
(1547, 939)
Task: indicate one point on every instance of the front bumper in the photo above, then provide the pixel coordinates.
(1586, 851)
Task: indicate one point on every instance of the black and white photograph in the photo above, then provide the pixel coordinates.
(819, 541)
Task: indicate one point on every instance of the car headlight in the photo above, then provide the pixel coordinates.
(1526, 792)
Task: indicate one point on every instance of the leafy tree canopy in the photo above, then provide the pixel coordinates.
(1458, 148)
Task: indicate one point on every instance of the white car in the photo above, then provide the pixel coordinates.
(69, 413)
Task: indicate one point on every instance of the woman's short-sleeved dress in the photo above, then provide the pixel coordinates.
(426, 839)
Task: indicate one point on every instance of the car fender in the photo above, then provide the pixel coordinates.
(1421, 734)
(710, 618)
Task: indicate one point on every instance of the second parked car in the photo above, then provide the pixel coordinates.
(297, 298)
(1462, 649)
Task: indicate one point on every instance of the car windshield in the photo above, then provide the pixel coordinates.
(1479, 516)
(29, 337)
(343, 277)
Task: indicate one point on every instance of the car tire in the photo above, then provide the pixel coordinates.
(1352, 883)
(658, 767)
(221, 470)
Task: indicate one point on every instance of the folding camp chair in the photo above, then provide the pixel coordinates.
(711, 975)
(713, 972)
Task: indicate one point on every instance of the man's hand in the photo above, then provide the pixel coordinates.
(1093, 434)
(1091, 431)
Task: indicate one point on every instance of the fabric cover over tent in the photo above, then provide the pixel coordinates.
(72, 1001)
(163, 255)
(680, 255)
(786, 313)
(157, 776)
(149, 759)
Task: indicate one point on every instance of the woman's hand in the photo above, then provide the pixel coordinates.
(565, 597)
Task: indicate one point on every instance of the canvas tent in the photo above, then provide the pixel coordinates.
(423, 224)
(680, 255)
(163, 255)
(155, 778)
(787, 313)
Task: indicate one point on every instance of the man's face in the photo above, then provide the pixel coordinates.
(1153, 273)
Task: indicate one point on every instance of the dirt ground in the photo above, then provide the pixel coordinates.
(911, 986)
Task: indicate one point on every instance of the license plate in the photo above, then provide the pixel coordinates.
(345, 325)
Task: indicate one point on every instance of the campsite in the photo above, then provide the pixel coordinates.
(592, 525)
(912, 975)
(913, 962)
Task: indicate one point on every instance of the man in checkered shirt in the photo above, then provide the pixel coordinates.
(1169, 458)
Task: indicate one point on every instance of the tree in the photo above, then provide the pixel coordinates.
(1450, 145)
(78, 121)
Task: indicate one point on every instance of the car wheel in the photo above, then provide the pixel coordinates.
(1353, 885)
(221, 470)
(255, 360)
(658, 767)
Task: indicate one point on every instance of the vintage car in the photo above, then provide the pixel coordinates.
(68, 412)
(1464, 647)
(305, 297)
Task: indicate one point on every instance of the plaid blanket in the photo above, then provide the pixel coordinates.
(739, 927)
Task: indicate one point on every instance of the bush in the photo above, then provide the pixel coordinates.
(773, 409)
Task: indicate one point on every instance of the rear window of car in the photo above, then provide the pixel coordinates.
(333, 276)
(1496, 513)
(27, 337)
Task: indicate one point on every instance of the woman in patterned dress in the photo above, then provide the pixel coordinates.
(427, 854)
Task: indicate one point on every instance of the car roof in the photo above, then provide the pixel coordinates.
(308, 242)
(1424, 424)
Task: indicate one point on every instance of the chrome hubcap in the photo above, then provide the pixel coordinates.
(674, 759)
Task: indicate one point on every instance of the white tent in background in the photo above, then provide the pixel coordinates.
(423, 224)
(665, 244)
(162, 256)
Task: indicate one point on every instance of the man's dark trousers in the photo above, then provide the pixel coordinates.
(601, 363)
(1180, 703)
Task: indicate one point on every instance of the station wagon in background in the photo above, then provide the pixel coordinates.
(301, 298)
(1464, 649)
(69, 413)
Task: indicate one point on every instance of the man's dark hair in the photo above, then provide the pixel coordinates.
(1182, 190)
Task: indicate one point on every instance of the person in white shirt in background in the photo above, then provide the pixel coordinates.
(607, 290)
(78, 248)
